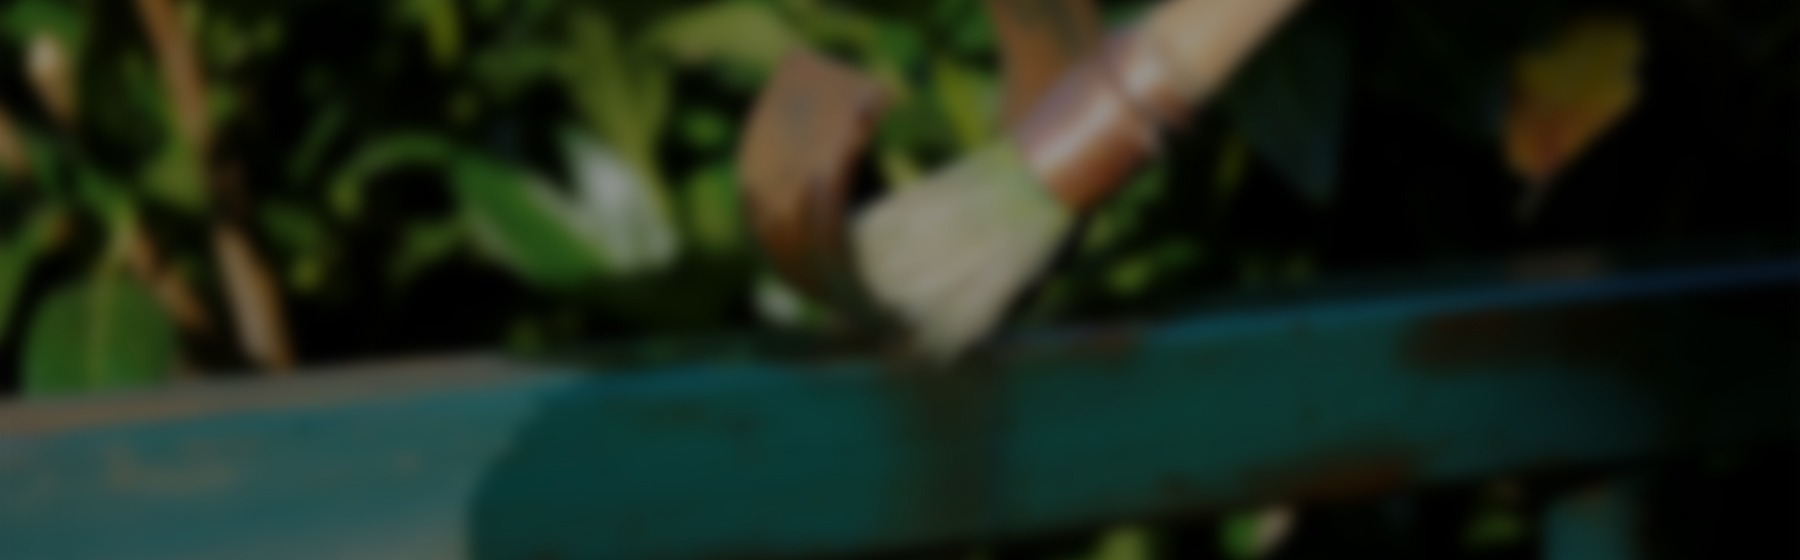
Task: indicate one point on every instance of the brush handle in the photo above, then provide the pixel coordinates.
(1104, 117)
(1039, 41)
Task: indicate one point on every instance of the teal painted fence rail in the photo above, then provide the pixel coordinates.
(735, 456)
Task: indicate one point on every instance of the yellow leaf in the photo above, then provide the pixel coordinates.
(1567, 93)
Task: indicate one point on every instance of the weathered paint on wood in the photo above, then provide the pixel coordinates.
(748, 457)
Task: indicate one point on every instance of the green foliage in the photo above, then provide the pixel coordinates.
(522, 221)
(586, 149)
(61, 18)
(1125, 542)
(1290, 101)
(105, 332)
(18, 252)
(423, 244)
(751, 35)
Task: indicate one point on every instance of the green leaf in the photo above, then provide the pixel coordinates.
(442, 25)
(1248, 535)
(384, 154)
(294, 228)
(781, 305)
(1131, 276)
(103, 333)
(422, 245)
(61, 18)
(1125, 542)
(176, 177)
(748, 34)
(320, 131)
(619, 210)
(969, 100)
(508, 68)
(1290, 101)
(621, 96)
(1494, 527)
(1118, 217)
(1228, 175)
(706, 129)
(17, 255)
(1239, 538)
(524, 223)
(714, 212)
(304, 236)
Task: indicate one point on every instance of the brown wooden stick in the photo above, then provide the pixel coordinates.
(183, 77)
(14, 162)
(1100, 120)
(1039, 40)
(252, 291)
(255, 302)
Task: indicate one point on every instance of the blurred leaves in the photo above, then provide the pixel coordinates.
(1125, 542)
(423, 244)
(19, 250)
(714, 212)
(622, 94)
(100, 333)
(1566, 94)
(1290, 101)
(441, 25)
(1448, 59)
(751, 35)
(625, 214)
(585, 148)
(525, 223)
(384, 154)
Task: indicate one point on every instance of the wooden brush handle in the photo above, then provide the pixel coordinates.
(1039, 41)
(1104, 117)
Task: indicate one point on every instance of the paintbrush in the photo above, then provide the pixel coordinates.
(949, 255)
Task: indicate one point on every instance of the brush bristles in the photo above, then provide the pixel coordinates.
(948, 256)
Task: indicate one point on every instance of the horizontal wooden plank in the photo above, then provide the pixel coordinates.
(753, 457)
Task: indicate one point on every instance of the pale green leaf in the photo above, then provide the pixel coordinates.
(617, 209)
(969, 100)
(751, 35)
(603, 80)
(781, 305)
(103, 333)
